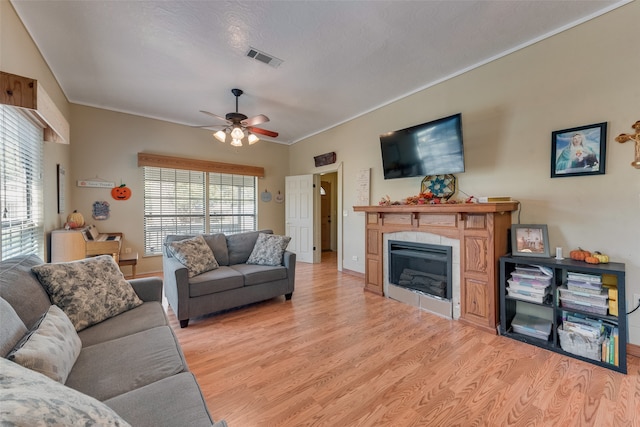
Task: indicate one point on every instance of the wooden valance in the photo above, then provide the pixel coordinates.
(26, 93)
(159, 161)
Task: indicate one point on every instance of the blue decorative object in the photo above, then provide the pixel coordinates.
(101, 210)
(442, 186)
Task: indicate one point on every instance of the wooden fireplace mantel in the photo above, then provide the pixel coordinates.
(481, 228)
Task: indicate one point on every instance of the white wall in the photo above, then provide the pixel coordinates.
(586, 75)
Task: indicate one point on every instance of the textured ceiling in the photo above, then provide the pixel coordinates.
(169, 59)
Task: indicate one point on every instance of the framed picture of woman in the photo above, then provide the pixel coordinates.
(579, 151)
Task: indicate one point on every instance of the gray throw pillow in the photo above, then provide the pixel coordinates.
(51, 348)
(195, 254)
(89, 290)
(269, 249)
(31, 399)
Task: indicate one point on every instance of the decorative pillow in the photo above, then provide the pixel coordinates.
(195, 254)
(269, 249)
(31, 399)
(88, 291)
(12, 328)
(51, 348)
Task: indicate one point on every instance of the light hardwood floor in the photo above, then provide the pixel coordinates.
(337, 356)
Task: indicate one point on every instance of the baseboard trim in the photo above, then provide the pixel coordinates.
(353, 273)
(633, 350)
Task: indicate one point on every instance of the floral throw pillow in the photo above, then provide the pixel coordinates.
(31, 399)
(51, 348)
(195, 254)
(89, 290)
(269, 249)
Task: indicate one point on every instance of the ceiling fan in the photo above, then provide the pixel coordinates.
(240, 126)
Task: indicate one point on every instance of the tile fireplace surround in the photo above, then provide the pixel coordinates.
(479, 230)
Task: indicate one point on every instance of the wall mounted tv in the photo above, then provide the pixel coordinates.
(432, 148)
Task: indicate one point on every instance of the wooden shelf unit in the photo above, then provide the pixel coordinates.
(509, 305)
(481, 228)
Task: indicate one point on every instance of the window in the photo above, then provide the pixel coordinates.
(179, 201)
(21, 188)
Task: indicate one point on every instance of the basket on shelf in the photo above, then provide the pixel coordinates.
(575, 343)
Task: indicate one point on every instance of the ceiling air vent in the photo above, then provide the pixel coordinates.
(264, 57)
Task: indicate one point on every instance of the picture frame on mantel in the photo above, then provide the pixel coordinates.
(530, 240)
(579, 151)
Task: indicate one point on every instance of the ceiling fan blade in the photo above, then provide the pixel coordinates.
(214, 115)
(265, 132)
(257, 120)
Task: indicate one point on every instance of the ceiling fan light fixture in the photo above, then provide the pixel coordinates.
(237, 133)
(221, 136)
(252, 139)
(236, 142)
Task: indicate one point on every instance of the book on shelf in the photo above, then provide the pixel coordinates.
(492, 199)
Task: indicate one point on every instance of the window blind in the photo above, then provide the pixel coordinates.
(174, 203)
(178, 201)
(21, 187)
(232, 203)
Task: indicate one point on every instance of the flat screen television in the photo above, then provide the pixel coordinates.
(432, 148)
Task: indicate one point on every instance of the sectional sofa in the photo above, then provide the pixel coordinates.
(77, 363)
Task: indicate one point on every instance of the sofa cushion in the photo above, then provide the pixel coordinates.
(219, 280)
(218, 244)
(268, 249)
(240, 245)
(172, 401)
(195, 254)
(89, 290)
(12, 328)
(32, 399)
(259, 274)
(114, 367)
(146, 316)
(16, 281)
(51, 348)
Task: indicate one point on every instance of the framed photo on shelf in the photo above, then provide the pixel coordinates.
(530, 240)
(579, 151)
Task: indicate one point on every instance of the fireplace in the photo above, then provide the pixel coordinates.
(421, 267)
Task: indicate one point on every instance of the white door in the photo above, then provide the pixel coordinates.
(299, 193)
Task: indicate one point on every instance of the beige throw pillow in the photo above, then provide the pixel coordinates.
(51, 348)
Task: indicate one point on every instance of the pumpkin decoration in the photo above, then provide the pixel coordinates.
(591, 260)
(75, 220)
(121, 193)
(602, 258)
(579, 254)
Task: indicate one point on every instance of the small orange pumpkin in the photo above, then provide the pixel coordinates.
(579, 254)
(121, 193)
(592, 260)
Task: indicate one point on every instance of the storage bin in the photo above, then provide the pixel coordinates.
(531, 280)
(574, 343)
(599, 299)
(531, 326)
(584, 306)
(590, 288)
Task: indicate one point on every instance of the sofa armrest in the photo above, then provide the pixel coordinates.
(148, 288)
(176, 286)
(289, 261)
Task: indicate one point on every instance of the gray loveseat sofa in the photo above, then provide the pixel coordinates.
(232, 284)
(130, 364)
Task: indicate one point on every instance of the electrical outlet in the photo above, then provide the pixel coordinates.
(354, 258)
